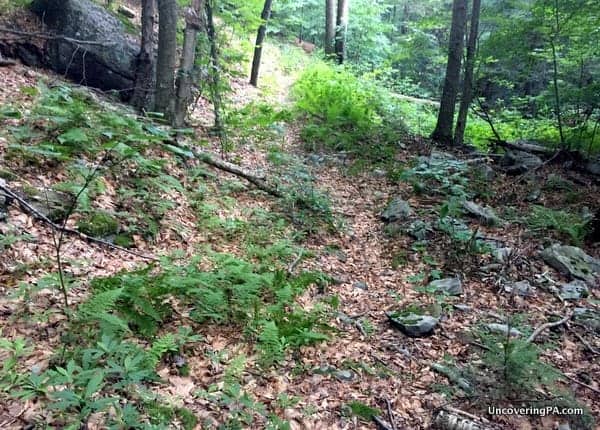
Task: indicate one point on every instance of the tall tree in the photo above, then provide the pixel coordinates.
(445, 121)
(330, 17)
(260, 38)
(167, 57)
(145, 75)
(193, 23)
(467, 92)
(341, 27)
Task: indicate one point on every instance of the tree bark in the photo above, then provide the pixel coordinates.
(193, 24)
(145, 75)
(167, 57)
(260, 38)
(214, 73)
(467, 92)
(340, 33)
(445, 122)
(330, 18)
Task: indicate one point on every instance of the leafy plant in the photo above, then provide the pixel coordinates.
(542, 219)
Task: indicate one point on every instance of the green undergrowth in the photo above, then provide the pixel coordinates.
(345, 113)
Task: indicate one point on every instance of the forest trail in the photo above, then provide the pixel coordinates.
(374, 268)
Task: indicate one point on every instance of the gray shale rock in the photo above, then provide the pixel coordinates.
(572, 261)
(574, 290)
(450, 286)
(397, 210)
(485, 215)
(414, 323)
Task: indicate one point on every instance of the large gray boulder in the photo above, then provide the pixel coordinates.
(108, 63)
(572, 261)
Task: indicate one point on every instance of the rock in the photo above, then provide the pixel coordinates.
(587, 317)
(485, 172)
(397, 210)
(98, 224)
(519, 162)
(450, 286)
(503, 329)
(572, 261)
(534, 195)
(379, 173)
(484, 214)
(3, 206)
(109, 65)
(344, 375)
(52, 204)
(463, 308)
(419, 230)
(593, 167)
(127, 12)
(522, 288)
(414, 322)
(361, 285)
(574, 290)
(502, 255)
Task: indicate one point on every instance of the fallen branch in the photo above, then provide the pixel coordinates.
(582, 340)
(49, 36)
(381, 423)
(451, 420)
(543, 327)
(578, 382)
(390, 414)
(258, 181)
(30, 210)
(525, 147)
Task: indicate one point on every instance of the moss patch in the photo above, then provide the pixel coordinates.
(98, 224)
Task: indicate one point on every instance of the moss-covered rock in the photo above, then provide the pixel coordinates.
(98, 224)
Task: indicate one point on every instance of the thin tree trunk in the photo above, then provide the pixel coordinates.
(443, 128)
(145, 74)
(193, 23)
(260, 38)
(167, 57)
(340, 34)
(330, 18)
(214, 72)
(555, 75)
(467, 93)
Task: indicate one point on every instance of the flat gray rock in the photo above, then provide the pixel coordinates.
(518, 162)
(503, 329)
(572, 261)
(502, 255)
(588, 318)
(485, 215)
(450, 286)
(397, 210)
(574, 290)
(521, 288)
(413, 324)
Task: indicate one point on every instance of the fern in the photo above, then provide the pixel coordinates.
(99, 309)
(271, 345)
(161, 346)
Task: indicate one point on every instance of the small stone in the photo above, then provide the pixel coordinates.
(534, 195)
(574, 290)
(502, 255)
(379, 173)
(397, 210)
(413, 324)
(450, 286)
(522, 288)
(587, 317)
(503, 329)
(419, 229)
(484, 214)
(344, 375)
(361, 285)
(485, 172)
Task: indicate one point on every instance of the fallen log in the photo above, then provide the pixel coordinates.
(525, 147)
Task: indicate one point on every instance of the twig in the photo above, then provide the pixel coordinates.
(585, 342)
(55, 37)
(292, 266)
(390, 413)
(583, 384)
(380, 423)
(27, 208)
(543, 327)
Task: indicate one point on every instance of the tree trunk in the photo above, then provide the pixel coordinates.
(167, 57)
(443, 128)
(260, 38)
(329, 27)
(340, 34)
(145, 75)
(467, 93)
(193, 23)
(214, 72)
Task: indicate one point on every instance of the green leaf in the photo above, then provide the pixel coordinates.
(94, 384)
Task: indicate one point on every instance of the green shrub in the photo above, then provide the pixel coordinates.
(572, 226)
(346, 113)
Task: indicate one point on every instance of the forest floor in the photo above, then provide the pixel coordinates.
(374, 269)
